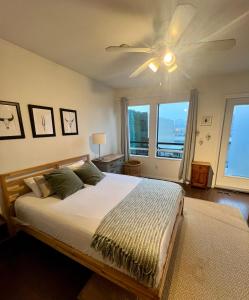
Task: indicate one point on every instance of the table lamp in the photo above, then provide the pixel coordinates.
(99, 139)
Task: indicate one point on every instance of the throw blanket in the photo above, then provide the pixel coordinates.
(130, 235)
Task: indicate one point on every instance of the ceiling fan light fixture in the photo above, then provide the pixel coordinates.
(173, 68)
(169, 58)
(154, 67)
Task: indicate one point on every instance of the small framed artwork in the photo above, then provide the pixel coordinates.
(42, 121)
(69, 123)
(11, 126)
(206, 121)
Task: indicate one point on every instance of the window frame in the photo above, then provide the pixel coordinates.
(157, 130)
(149, 115)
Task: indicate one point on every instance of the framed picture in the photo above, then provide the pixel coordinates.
(11, 126)
(42, 121)
(69, 123)
(206, 121)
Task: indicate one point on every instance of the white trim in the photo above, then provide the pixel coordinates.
(237, 96)
(230, 188)
(220, 177)
(135, 101)
(143, 156)
(168, 158)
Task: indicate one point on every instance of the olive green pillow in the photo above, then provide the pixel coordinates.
(89, 173)
(64, 182)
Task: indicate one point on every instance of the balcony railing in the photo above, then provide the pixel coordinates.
(139, 148)
(167, 150)
(170, 150)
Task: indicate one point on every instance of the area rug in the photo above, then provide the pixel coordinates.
(210, 258)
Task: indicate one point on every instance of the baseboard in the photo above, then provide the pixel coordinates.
(233, 189)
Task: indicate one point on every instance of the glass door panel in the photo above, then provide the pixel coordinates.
(233, 167)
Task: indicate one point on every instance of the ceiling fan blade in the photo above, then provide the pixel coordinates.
(182, 17)
(218, 45)
(128, 49)
(227, 26)
(142, 68)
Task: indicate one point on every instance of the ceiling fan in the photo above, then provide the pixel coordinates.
(165, 49)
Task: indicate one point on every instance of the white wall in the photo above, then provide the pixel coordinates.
(30, 79)
(213, 92)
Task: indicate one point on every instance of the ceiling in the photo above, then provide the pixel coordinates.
(74, 33)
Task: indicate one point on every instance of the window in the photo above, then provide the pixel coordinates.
(139, 129)
(171, 129)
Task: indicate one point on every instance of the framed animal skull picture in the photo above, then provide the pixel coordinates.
(11, 126)
(69, 123)
(42, 121)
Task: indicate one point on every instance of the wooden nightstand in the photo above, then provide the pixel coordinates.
(112, 163)
(201, 174)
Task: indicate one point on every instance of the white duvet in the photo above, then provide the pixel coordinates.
(75, 219)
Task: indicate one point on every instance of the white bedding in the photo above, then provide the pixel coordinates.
(75, 219)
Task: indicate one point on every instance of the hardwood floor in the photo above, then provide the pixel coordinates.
(30, 270)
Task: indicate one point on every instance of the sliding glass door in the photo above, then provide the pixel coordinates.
(233, 169)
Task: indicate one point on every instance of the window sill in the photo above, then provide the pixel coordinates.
(167, 158)
(143, 156)
(160, 158)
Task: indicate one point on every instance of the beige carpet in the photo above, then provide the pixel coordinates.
(210, 259)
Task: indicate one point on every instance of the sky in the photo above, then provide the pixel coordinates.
(174, 110)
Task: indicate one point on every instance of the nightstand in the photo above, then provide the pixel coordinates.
(112, 163)
(201, 174)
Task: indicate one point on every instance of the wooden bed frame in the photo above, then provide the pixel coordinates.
(13, 186)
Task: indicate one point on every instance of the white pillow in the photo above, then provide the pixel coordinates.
(44, 187)
(76, 165)
(30, 182)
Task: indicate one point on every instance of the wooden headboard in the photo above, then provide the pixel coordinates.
(13, 185)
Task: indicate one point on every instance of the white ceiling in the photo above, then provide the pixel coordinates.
(74, 33)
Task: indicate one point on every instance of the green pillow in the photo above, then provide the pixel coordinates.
(64, 182)
(89, 173)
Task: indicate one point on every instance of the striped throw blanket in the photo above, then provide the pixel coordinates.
(130, 235)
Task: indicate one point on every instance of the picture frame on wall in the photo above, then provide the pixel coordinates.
(11, 125)
(42, 121)
(69, 122)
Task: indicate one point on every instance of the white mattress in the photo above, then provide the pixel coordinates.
(75, 219)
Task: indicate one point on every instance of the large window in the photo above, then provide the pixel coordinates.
(139, 129)
(171, 129)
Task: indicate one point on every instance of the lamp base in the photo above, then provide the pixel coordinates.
(99, 152)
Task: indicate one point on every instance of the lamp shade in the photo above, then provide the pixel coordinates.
(99, 138)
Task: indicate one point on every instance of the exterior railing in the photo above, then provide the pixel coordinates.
(168, 150)
(141, 149)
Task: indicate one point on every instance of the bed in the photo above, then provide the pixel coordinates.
(69, 225)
